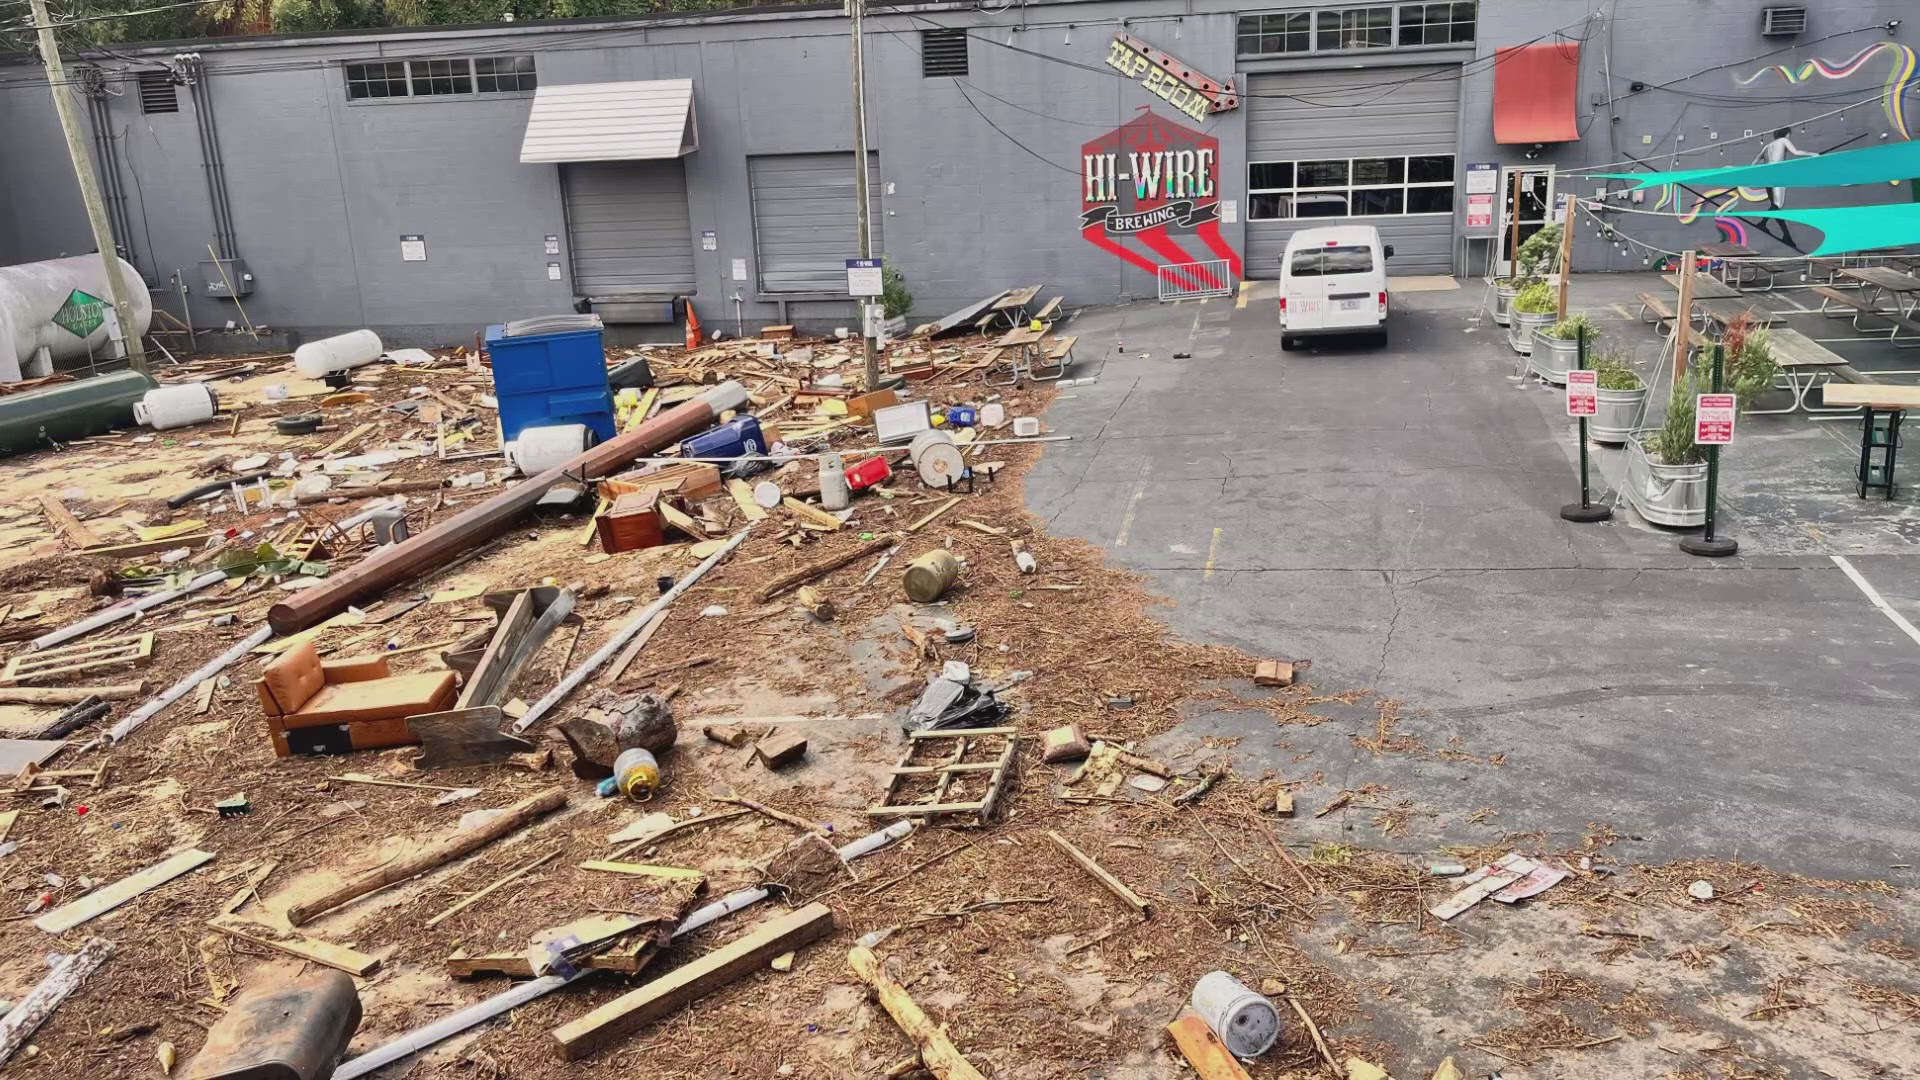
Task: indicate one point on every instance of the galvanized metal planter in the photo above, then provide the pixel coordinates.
(1503, 303)
(1522, 324)
(1619, 415)
(1553, 357)
(1672, 495)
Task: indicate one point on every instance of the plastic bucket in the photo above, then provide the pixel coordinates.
(1245, 1021)
(176, 406)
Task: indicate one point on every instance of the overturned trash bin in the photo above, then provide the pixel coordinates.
(1246, 1021)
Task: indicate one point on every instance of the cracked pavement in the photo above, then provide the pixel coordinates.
(1393, 516)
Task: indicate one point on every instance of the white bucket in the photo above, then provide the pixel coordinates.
(541, 448)
(1026, 427)
(1245, 1021)
(176, 406)
(936, 458)
(318, 359)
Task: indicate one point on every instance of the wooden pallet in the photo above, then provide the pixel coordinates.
(73, 659)
(950, 769)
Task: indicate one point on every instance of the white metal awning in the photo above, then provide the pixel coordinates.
(613, 121)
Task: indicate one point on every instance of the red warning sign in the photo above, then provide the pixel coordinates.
(1583, 392)
(1713, 419)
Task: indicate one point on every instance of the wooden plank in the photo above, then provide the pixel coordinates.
(1878, 396)
(6, 823)
(937, 1051)
(66, 524)
(795, 578)
(743, 498)
(482, 894)
(1114, 885)
(1203, 1049)
(905, 810)
(971, 766)
(962, 733)
(692, 981)
(69, 659)
(928, 520)
(682, 522)
(346, 440)
(147, 547)
(632, 650)
(674, 873)
(99, 902)
(67, 976)
(339, 957)
(814, 514)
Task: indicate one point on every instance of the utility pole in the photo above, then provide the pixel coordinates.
(89, 186)
(857, 10)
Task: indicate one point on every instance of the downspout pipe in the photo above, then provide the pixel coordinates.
(422, 554)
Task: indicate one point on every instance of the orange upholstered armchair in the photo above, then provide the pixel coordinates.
(331, 707)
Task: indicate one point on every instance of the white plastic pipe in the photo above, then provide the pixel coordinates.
(447, 1027)
(179, 690)
(623, 635)
(123, 611)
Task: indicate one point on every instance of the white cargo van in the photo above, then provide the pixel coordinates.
(1333, 280)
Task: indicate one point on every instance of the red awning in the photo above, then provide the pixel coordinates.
(1535, 93)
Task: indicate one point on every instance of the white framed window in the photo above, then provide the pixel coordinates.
(1350, 187)
(458, 76)
(1357, 29)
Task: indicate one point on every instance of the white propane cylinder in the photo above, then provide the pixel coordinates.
(176, 406)
(318, 359)
(32, 294)
(541, 448)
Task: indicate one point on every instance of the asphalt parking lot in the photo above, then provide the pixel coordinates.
(1392, 514)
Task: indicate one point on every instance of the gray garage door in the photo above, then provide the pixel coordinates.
(1371, 147)
(627, 222)
(804, 223)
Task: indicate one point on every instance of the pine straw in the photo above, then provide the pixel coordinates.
(1550, 1001)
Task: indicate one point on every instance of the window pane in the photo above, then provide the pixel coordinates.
(1356, 28)
(1276, 33)
(503, 74)
(1347, 260)
(1380, 171)
(1430, 200)
(1434, 169)
(1436, 24)
(1380, 201)
(1321, 204)
(1270, 174)
(377, 79)
(436, 77)
(1306, 263)
(1269, 207)
(1323, 174)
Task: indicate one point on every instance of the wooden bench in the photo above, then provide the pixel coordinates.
(1060, 350)
(1050, 310)
(1656, 305)
(1850, 299)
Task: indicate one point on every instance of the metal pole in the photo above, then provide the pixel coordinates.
(89, 186)
(857, 9)
(1707, 544)
(1586, 511)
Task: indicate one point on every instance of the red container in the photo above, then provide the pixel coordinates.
(868, 473)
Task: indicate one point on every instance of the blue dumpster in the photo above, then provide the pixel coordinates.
(551, 378)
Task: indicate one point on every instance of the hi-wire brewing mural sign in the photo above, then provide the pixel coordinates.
(1186, 89)
(1146, 182)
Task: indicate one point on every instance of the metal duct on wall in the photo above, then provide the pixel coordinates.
(195, 72)
(106, 152)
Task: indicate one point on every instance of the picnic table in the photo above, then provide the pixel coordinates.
(1884, 281)
(1013, 306)
(1706, 287)
(1876, 401)
(1804, 364)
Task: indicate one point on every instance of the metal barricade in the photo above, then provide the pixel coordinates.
(1195, 280)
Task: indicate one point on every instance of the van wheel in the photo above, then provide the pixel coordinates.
(1286, 343)
(1382, 337)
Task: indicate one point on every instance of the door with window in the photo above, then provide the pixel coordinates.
(1532, 187)
(1373, 146)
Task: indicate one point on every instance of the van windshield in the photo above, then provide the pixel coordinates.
(1324, 261)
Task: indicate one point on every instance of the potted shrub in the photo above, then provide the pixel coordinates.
(1556, 349)
(1750, 368)
(1536, 253)
(1622, 398)
(1666, 472)
(1533, 309)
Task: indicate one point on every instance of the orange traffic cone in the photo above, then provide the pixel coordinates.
(694, 337)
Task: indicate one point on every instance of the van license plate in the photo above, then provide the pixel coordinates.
(1353, 305)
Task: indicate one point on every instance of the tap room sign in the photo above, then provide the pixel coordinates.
(1149, 184)
(1169, 77)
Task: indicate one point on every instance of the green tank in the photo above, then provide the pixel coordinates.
(35, 419)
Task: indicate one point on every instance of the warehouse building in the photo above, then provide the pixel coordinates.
(426, 182)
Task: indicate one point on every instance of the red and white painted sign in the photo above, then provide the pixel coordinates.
(1713, 419)
(1583, 392)
(1150, 184)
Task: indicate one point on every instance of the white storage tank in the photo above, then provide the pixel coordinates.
(319, 359)
(37, 298)
(176, 406)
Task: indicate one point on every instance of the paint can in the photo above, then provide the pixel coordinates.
(1245, 1021)
(834, 493)
(637, 774)
(874, 470)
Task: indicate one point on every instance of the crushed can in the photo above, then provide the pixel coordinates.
(637, 774)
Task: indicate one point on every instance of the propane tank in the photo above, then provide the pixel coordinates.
(176, 406)
(319, 359)
(33, 294)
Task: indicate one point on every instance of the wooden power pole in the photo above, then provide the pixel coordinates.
(89, 186)
(1682, 335)
(856, 10)
(1566, 255)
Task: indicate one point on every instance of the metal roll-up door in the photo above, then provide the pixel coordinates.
(628, 227)
(1394, 127)
(804, 223)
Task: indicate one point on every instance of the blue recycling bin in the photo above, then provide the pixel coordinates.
(554, 378)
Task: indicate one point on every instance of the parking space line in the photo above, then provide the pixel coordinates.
(1877, 600)
(1213, 549)
(1133, 503)
(1246, 288)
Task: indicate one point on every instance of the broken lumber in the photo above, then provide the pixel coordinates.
(692, 981)
(936, 512)
(66, 524)
(816, 603)
(1203, 1049)
(778, 815)
(644, 870)
(482, 894)
(515, 817)
(795, 578)
(937, 1052)
(69, 695)
(640, 640)
(1114, 885)
(339, 957)
(100, 901)
(68, 973)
